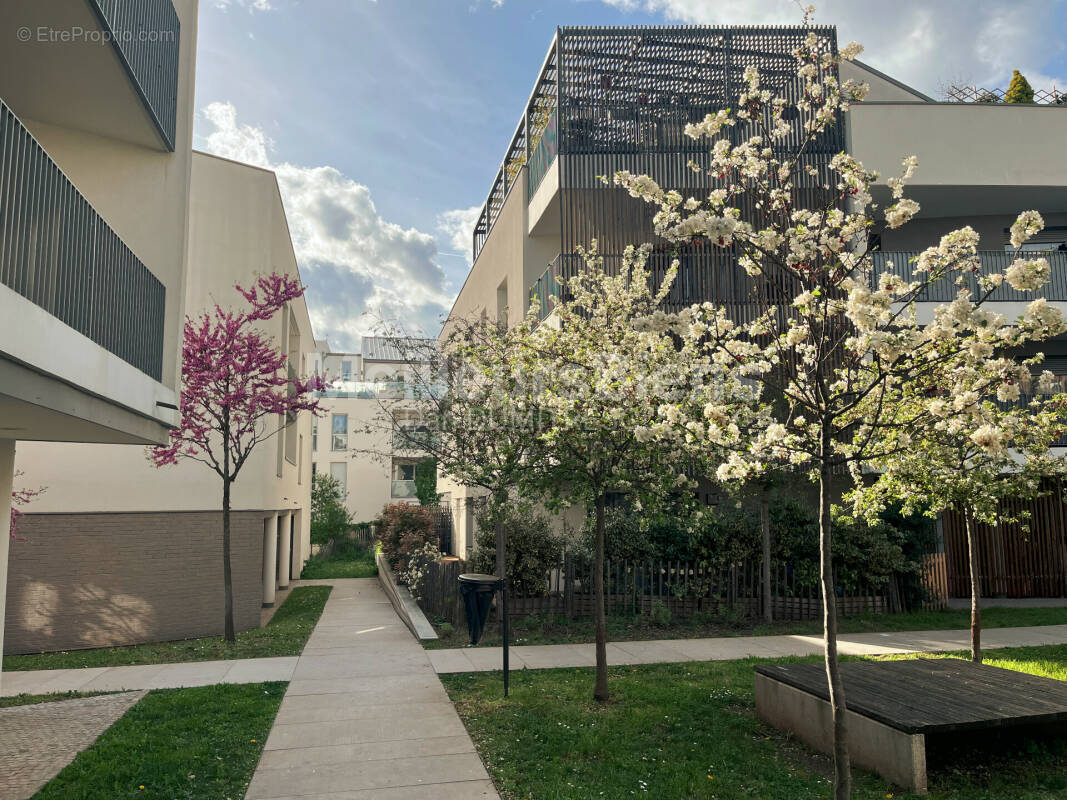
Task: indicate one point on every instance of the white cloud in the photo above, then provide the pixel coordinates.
(920, 42)
(458, 227)
(360, 269)
(251, 5)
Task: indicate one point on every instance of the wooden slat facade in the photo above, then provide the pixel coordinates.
(1013, 562)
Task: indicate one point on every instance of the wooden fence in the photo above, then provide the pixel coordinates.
(1012, 562)
(677, 588)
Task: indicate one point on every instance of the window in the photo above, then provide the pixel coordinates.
(339, 431)
(314, 469)
(405, 472)
(346, 370)
(314, 434)
(339, 472)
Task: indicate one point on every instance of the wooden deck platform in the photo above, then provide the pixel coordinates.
(894, 705)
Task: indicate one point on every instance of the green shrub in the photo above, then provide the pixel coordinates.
(532, 549)
(426, 482)
(1019, 90)
(329, 517)
(405, 528)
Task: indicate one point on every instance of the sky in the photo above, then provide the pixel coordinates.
(386, 120)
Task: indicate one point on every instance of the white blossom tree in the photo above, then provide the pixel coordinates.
(844, 356)
(970, 463)
(601, 381)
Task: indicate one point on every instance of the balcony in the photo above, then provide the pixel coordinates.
(58, 253)
(109, 67)
(992, 261)
(412, 440)
(403, 490)
(380, 390)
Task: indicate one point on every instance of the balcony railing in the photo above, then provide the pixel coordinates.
(380, 390)
(147, 38)
(543, 154)
(992, 261)
(403, 489)
(413, 440)
(57, 252)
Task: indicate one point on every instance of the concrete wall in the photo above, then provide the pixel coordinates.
(95, 580)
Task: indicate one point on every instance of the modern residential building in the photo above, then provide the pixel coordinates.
(117, 551)
(351, 442)
(614, 98)
(96, 101)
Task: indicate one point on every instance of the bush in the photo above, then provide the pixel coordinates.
(329, 517)
(414, 576)
(1019, 90)
(404, 528)
(532, 549)
(426, 482)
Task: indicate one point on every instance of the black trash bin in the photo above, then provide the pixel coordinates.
(477, 591)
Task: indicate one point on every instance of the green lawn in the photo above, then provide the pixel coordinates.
(34, 699)
(560, 630)
(200, 743)
(681, 731)
(284, 635)
(349, 561)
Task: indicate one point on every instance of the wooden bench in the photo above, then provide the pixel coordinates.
(893, 706)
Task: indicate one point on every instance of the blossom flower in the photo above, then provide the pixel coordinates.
(1027, 224)
(989, 438)
(1028, 275)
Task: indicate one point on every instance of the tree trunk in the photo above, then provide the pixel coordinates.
(842, 770)
(227, 577)
(765, 568)
(976, 589)
(600, 690)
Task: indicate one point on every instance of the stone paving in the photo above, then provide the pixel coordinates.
(365, 716)
(725, 648)
(38, 740)
(148, 676)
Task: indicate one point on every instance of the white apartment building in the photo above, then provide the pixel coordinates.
(95, 160)
(613, 98)
(352, 442)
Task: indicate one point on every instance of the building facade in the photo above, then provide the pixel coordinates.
(610, 99)
(353, 441)
(116, 551)
(96, 108)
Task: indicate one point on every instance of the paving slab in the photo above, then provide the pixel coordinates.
(37, 741)
(365, 716)
(725, 648)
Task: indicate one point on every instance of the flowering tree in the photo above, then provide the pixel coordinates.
(235, 394)
(839, 350)
(969, 463)
(468, 412)
(602, 379)
(20, 497)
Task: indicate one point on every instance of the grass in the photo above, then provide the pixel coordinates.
(550, 629)
(34, 699)
(284, 635)
(200, 743)
(690, 731)
(350, 560)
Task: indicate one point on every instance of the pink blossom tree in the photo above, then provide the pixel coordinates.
(235, 394)
(20, 497)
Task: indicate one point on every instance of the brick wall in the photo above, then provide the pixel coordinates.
(96, 580)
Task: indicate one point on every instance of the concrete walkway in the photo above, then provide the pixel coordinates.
(365, 716)
(726, 648)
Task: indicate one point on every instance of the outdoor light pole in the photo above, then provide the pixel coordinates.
(477, 591)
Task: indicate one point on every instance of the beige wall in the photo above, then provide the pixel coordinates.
(237, 230)
(98, 580)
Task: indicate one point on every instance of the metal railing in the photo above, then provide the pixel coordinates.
(146, 36)
(57, 252)
(543, 154)
(403, 489)
(992, 261)
(380, 390)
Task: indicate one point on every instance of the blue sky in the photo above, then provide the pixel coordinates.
(387, 119)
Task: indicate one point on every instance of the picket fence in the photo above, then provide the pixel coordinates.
(677, 588)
